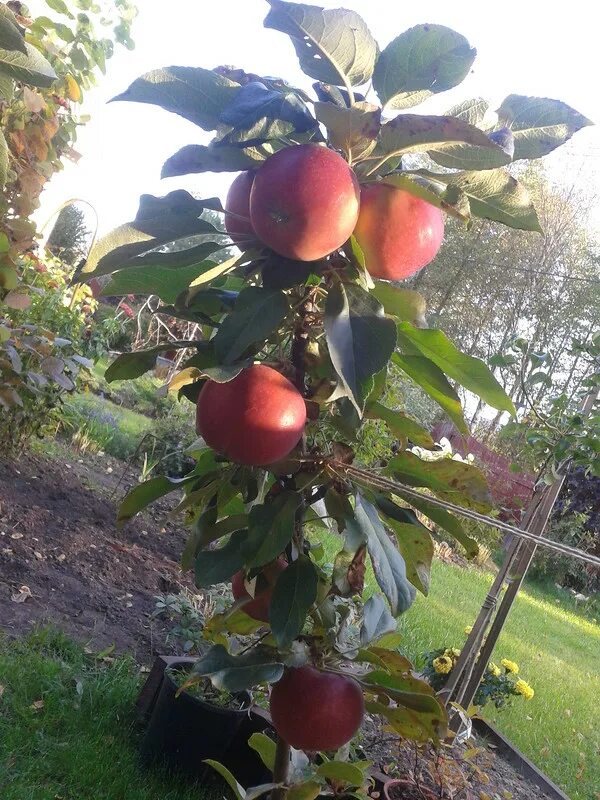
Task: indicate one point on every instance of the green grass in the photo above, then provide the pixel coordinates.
(115, 429)
(83, 743)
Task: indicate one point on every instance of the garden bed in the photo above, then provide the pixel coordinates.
(60, 540)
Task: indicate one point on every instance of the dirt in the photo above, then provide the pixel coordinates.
(469, 771)
(58, 538)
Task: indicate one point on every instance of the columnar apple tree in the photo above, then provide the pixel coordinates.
(342, 194)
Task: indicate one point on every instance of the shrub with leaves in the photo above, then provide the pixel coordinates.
(294, 337)
(46, 64)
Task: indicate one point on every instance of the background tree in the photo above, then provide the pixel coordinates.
(70, 237)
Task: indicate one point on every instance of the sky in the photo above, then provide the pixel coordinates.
(524, 47)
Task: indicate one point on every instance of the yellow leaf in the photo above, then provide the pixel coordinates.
(73, 90)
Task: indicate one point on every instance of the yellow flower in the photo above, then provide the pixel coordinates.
(522, 687)
(452, 652)
(442, 665)
(468, 629)
(494, 669)
(510, 666)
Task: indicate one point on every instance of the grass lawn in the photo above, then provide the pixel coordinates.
(115, 429)
(82, 743)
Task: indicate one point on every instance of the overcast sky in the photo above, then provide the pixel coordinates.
(524, 47)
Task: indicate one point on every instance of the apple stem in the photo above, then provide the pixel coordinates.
(281, 768)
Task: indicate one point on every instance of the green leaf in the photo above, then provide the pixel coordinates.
(265, 747)
(421, 61)
(388, 564)
(236, 788)
(294, 593)
(270, 529)
(471, 111)
(30, 67)
(444, 520)
(341, 772)
(307, 790)
(465, 156)
(199, 95)
(238, 673)
(3, 160)
(404, 304)
(494, 194)
(411, 133)
(353, 130)
(418, 726)
(11, 37)
(377, 620)
(433, 381)
(159, 220)
(401, 682)
(218, 565)
(401, 425)
(145, 493)
(359, 337)
(7, 87)
(539, 124)
(472, 373)
(414, 542)
(60, 7)
(456, 481)
(259, 113)
(257, 313)
(166, 282)
(333, 46)
(448, 198)
(211, 158)
(131, 365)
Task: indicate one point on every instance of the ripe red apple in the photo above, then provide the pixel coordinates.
(255, 419)
(237, 203)
(315, 710)
(258, 606)
(304, 202)
(398, 232)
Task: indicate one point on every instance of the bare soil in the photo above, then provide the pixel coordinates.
(58, 538)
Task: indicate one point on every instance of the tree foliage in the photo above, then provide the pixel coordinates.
(333, 331)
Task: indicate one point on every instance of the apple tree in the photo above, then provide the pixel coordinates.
(342, 193)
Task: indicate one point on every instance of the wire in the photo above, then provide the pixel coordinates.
(399, 488)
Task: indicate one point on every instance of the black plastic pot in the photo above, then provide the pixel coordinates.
(184, 730)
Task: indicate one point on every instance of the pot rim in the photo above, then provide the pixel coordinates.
(206, 704)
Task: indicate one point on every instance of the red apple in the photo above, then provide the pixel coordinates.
(258, 606)
(237, 209)
(304, 202)
(398, 232)
(315, 710)
(255, 419)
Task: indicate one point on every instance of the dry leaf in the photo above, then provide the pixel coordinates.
(484, 796)
(1, 690)
(16, 536)
(23, 594)
(568, 712)
(18, 300)
(37, 705)
(34, 102)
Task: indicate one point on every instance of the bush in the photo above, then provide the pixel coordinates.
(550, 566)
(172, 434)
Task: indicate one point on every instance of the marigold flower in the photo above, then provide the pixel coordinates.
(510, 666)
(494, 669)
(523, 688)
(468, 629)
(442, 665)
